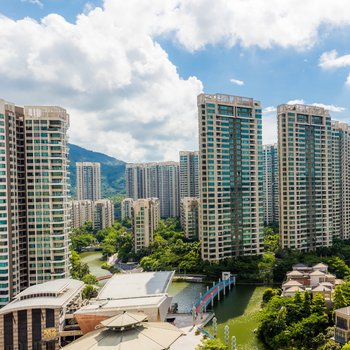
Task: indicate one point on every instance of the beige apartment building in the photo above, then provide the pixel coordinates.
(146, 216)
(230, 176)
(88, 181)
(306, 175)
(82, 211)
(100, 213)
(189, 207)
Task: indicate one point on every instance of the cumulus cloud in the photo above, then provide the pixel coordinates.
(329, 107)
(124, 95)
(237, 82)
(331, 59)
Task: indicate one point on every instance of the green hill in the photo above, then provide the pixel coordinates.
(112, 170)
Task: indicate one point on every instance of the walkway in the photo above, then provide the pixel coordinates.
(214, 291)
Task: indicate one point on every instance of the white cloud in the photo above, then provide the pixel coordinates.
(35, 2)
(331, 59)
(124, 95)
(331, 108)
(270, 109)
(237, 82)
(296, 102)
(348, 80)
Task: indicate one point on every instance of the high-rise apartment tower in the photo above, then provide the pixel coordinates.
(189, 174)
(305, 177)
(230, 176)
(88, 181)
(155, 180)
(34, 208)
(270, 184)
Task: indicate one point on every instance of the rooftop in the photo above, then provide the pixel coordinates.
(136, 285)
(52, 294)
(344, 311)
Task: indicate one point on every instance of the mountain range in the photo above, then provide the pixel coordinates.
(112, 170)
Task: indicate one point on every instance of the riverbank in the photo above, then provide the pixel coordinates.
(240, 311)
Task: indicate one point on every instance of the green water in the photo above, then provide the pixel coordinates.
(93, 259)
(239, 309)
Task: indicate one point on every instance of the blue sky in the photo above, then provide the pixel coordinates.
(172, 46)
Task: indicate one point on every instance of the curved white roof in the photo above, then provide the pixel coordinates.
(51, 294)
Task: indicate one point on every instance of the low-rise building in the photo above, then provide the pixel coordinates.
(41, 315)
(137, 292)
(315, 279)
(189, 216)
(342, 325)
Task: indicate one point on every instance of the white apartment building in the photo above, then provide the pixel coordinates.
(88, 181)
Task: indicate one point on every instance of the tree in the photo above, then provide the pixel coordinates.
(89, 279)
(346, 346)
(78, 268)
(212, 344)
(89, 292)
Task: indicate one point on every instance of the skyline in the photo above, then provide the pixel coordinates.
(131, 89)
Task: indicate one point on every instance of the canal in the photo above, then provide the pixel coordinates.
(239, 308)
(93, 259)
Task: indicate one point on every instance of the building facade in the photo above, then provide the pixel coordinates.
(341, 179)
(48, 208)
(189, 174)
(155, 180)
(306, 176)
(230, 176)
(34, 208)
(126, 208)
(40, 317)
(82, 211)
(189, 216)
(146, 217)
(270, 184)
(88, 181)
(103, 214)
(13, 210)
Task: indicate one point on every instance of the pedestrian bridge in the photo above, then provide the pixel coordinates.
(208, 297)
